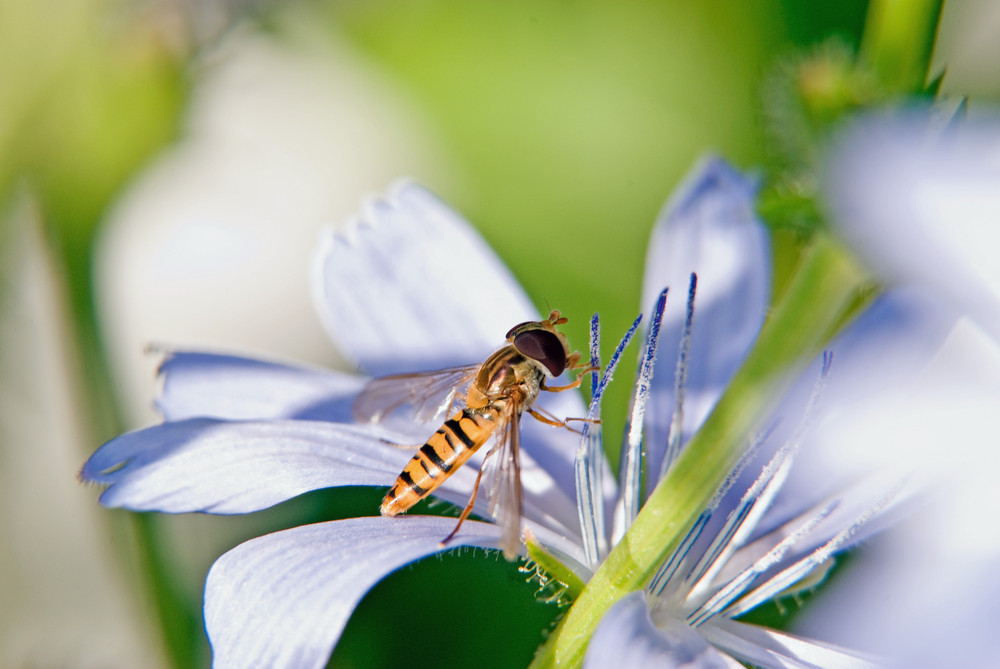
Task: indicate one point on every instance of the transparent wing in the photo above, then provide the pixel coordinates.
(430, 394)
(505, 492)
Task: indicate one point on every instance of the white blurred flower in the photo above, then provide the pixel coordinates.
(64, 604)
(210, 246)
(921, 202)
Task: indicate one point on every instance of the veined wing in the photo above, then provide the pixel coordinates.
(428, 393)
(505, 503)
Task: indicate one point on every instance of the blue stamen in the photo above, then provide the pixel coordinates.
(803, 567)
(680, 383)
(668, 570)
(589, 473)
(741, 521)
(738, 585)
(595, 353)
(631, 464)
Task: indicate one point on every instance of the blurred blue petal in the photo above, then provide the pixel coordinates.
(229, 467)
(282, 600)
(926, 592)
(554, 450)
(411, 286)
(884, 349)
(920, 202)
(708, 227)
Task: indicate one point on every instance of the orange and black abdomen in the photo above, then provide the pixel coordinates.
(447, 449)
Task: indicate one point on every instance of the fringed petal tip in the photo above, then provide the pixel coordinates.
(90, 476)
(393, 288)
(711, 175)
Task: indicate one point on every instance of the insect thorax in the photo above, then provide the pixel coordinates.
(505, 373)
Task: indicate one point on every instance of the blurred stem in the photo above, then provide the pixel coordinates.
(814, 304)
(176, 618)
(179, 620)
(99, 89)
(899, 40)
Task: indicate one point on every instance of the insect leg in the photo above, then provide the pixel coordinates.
(394, 444)
(570, 386)
(540, 415)
(468, 507)
(543, 416)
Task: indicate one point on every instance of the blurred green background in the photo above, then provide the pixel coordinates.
(165, 167)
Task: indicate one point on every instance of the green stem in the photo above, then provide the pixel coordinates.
(899, 40)
(178, 615)
(814, 304)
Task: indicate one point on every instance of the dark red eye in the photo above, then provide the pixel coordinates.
(543, 346)
(521, 326)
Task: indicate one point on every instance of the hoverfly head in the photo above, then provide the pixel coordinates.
(540, 341)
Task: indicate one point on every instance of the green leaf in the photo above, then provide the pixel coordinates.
(898, 42)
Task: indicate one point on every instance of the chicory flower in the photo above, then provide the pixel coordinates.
(241, 435)
(790, 505)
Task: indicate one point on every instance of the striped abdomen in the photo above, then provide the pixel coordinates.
(447, 449)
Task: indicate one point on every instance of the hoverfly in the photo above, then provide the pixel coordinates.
(499, 391)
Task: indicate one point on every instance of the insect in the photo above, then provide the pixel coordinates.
(499, 391)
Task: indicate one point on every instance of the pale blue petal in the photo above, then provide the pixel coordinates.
(917, 598)
(282, 600)
(411, 286)
(626, 637)
(768, 648)
(920, 201)
(226, 467)
(926, 592)
(708, 227)
(236, 388)
(552, 448)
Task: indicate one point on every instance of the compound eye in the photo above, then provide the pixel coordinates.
(543, 346)
(520, 326)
